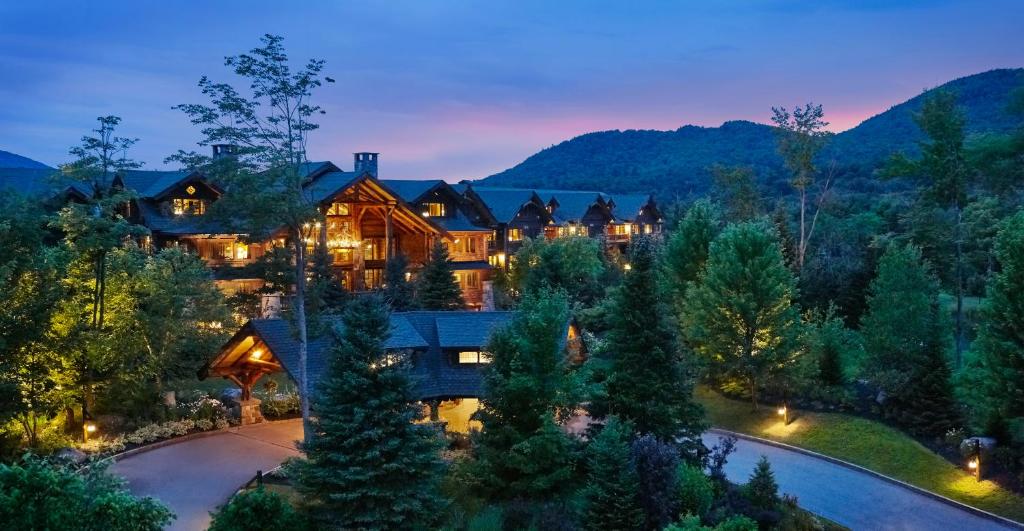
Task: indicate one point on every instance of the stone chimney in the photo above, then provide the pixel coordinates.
(224, 150)
(365, 163)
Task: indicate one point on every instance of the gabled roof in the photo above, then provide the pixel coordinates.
(157, 221)
(571, 206)
(410, 191)
(152, 184)
(41, 182)
(626, 207)
(310, 170)
(505, 203)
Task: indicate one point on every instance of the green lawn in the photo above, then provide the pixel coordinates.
(866, 443)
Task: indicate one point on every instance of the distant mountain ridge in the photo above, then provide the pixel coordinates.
(676, 163)
(11, 160)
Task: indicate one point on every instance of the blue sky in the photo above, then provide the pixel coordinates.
(460, 89)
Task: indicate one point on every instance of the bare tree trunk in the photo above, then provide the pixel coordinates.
(803, 231)
(753, 391)
(959, 288)
(300, 323)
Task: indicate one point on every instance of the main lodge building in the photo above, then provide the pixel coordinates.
(365, 222)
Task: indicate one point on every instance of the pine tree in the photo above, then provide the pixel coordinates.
(368, 466)
(649, 385)
(1000, 340)
(741, 316)
(436, 287)
(762, 490)
(398, 291)
(656, 464)
(610, 497)
(521, 451)
(324, 294)
(930, 408)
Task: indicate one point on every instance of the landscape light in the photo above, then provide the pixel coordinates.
(627, 267)
(973, 464)
(784, 413)
(88, 427)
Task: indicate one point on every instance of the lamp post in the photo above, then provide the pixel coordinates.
(88, 428)
(974, 464)
(784, 413)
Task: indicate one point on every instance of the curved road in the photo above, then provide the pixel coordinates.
(193, 477)
(850, 497)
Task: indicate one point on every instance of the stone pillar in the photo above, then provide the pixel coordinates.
(249, 411)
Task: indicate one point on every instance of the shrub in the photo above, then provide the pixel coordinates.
(35, 494)
(280, 405)
(762, 490)
(489, 519)
(221, 424)
(204, 424)
(257, 510)
(695, 491)
(655, 463)
(737, 523)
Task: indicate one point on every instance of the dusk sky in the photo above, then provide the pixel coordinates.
(452, 89)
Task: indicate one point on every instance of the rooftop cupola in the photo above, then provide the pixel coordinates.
(365, 163)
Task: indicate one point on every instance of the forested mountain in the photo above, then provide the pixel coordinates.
(676, 163)
(10, 160)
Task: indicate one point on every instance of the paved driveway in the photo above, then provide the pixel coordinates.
(194, 477)
(850, 497)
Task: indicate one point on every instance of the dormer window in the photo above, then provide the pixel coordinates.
(434, 210)
(474, 357)
(185, 206)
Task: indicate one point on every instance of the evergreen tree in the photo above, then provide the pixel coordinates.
(368, 466)
(903, 339)
(397, 290)
(573, 264)
(762, 490)
(610, 497)
(831, 346)
(325, 294)
(521, 452)
(943, 167)
(649, 385)
(1000, 342)
(436, 287)
(741, 315)
(735, 188)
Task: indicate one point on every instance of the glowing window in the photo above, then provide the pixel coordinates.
(473, 357)
(339, 209)
(435, 210)
(193, 207)
(515, 234)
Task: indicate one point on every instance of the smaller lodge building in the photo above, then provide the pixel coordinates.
(447, 350)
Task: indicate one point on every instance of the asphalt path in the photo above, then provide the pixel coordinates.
(196, 476)
(853, 498)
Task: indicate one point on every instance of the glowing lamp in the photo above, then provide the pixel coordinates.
(90, 427)
(973, 464)
(782, 411)
(627, 267)
(256, 354)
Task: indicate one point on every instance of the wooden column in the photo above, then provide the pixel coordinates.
(389, 233)
(358, 263)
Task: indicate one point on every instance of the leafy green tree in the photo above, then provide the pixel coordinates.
(182, 318)
(35, 494)
(270, 125)
(831, 347)
(801, 136)
(741, 316)
(735, 188)
(30, 278)
(398, 291)
(694, 490)
(367, 465)
(1000, 343)
(610, 495)
(92, 230)
(436, 287)
(1000, 156)
(257, 510)
(943, 167)
(572, 264)
(762, 490)
(650, 385)
(521, 451)
(686, 251)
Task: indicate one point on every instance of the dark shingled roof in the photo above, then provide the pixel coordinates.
(627, 206)
(572, 206)
(426, 333)
(157, 221)
(410, 191)
(39, 182)
(504, 203)
(149, 183)
(328, 184)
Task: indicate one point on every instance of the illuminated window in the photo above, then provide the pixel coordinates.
(434, 210)
(338, 209)
(241, 251)
(373, 278)
(373, 249)
(466, 245)
(474, 357)
(515, 234)
(193, 207)
(473, 279)
(648, 228)
(622, 230)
